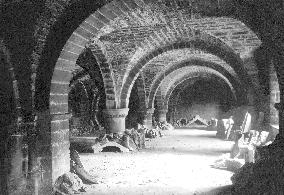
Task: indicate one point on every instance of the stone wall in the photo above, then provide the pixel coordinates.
(204, 98)
(206, 111)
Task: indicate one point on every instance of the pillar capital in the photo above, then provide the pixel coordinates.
(115, 119)
(116, 113)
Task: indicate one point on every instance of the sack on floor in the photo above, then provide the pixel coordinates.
(230, 164)
(69, 183)
(150, 134)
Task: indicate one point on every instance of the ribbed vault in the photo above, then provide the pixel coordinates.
(203, 42)
(174, 94)
(201, 62)
(124, 35)
(179, 86)
(168, 61)
(185, 73)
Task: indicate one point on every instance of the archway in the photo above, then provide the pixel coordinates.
(111, 94)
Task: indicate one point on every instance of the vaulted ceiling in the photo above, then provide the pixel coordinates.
(145, 27)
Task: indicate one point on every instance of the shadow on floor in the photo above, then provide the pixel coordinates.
(224, 190)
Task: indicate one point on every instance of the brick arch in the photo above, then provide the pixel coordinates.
(176, 84)
(200, 62)
(57, 13)
(198, 40)
(175, 94)
(70, 25)
(186, 72)
(60, 40)
(158, 101)
(107, 74)
(59, 45)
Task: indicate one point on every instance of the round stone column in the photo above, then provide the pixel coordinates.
(148, 118)
(162, 115)
(115, 120)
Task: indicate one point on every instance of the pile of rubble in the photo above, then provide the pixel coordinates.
(265, 176)
(157, 130)
(76, 180)
(165, 126)
(196, 120)
(129, 140)
(244, 150)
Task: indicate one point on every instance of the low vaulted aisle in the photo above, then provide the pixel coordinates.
(177, 163)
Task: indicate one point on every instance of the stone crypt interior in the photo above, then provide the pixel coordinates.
(133, 96)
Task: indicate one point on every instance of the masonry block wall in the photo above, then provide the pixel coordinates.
(204, 98)
(206, 111)
(36, 32)
(60, 145)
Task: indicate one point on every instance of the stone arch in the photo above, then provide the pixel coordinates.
(159, 101)
(177, 83)
(192, 71)
(175, 93)
(54, 72)
(55, 12)
(106, 71)
(174, 99)
(57, 28)
(200, 62)
(198, 40)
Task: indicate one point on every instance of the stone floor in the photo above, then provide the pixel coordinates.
(177, 163)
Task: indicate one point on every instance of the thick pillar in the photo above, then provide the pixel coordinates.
(162, 115)
(148, 121)
(115, 120)
(53, 153)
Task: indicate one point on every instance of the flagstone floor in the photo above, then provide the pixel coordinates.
(177, 163)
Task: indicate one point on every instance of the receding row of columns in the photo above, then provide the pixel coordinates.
(115, 118)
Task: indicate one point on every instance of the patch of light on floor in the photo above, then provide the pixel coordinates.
(162, 169)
